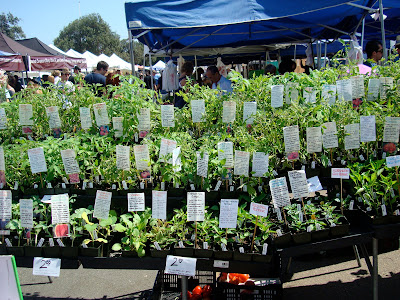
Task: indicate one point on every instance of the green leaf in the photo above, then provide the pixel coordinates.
(116, 247)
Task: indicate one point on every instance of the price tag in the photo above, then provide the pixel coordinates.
(303, 167)
(260, 189)
(397, 212)
(298, 207)
(341, 173)
(185, 266)
(351, 205)
(46, 266)
(245, 188)
(231, 188)
(221, 264)
(384, 213)
(329, 163)
(177, 185)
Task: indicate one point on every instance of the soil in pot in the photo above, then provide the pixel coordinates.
(32, 251)
(301, 237)
(16, 250)
(320, 235)
(53, 252)
(69, 252)
(189, 252)
(206, 253)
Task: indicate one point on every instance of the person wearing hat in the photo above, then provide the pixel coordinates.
(75, 75)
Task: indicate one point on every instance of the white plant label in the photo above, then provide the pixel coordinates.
(202, 164)
(26, 212)
(144, 119)
(265, 249)
(123, 157)
(221, 264)
(25, 115)
(102, 204)
(391, 130)
(118, 126)
(69, 161)
(167, 147)
(229, 112)
(298, 183)
(373, 89)
(225, 151)
(198, 111)
(242, 160)
(159, 205)
(184, 266)
(167, 116)
(393, 161)
(228, 213)
(309, 95)
(279, 192)
(218, 185)
(3, 118)
(142, 157)
(329, 93)
(60, 209)
(357, 87)
(314, 184)
(277, 96)
(384, 213)
(37, 160)
(2, 161)
(46, 266)
(329, 135)
(249, 112)
(101, 114)
(314, 139)
(5, 205)
(386, 85)
(53, 116)
(86, 117)
(344, 90)
(260, 164)
(258, 209)
(136, 202)
(343, 173)
(367, 129)
(195, 206)
(352, 136)
(176, 159)
(291, 138)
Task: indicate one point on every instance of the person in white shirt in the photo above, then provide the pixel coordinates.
(64, 84)
(218, 80)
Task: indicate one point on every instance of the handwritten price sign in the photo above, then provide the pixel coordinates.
(185, 266)
(46, 266)
(343, 173)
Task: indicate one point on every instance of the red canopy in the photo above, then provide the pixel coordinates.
(12, 63)
(39, 63)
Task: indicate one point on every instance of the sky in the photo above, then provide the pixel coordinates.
(45, 19)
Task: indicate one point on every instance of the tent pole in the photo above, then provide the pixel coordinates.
(131, 52)
(326, 49)
(151, 72)
(295, 50)
(362, 33)
(382, 29)
(195, 64)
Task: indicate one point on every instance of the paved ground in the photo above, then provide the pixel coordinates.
(332, 275)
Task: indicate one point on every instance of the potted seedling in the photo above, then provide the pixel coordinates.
(181, 231)
(161, 234)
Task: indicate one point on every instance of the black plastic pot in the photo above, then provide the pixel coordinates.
(340, 230)
(46, 191)
(242, 256)
(223, 255)
(173, 192)
(90, 251)
(301, 237)
(381, 220)
(32, 251)
(69, 252)
(16, 250)
(31, 192)
(77, 191)
(189, 252)
(261, 258)
(205, 253)
(91, 192)
(53, 252)
(282, 241)
(58, 191)
(227, 195)
(129, 253)
(3, 249)
(394, 219)
(212, 196)
(320, 235)
(159, 253)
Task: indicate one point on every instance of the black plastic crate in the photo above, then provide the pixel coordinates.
(271, 289)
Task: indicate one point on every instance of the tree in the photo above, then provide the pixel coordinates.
(137, 50)
(9, 26)
(90, 33)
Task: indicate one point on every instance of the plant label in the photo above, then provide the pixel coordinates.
(218, 185)
(241, 250)
(176, 159)
(228, 213)
(60, 243)
(229, 112)
(8, 242)
(279, 192)
(198, 111)
(277, 96)
(86, 118)
(184, 266)
(314, 184)
(142, 157)
(159, 205)
(279, 232)
(101, 114)
(2, 161)
(301, 218)
(123, 157)
(202, 164)
(314, 139)
(26, 115)
(291, 92)
(265, 249)
(167, 147)
(357, 87)
(124, 185)
(343, 173)
(5, 205)
(292, 141)
(102, 204)
(118, 126)
(26, 212)
(46, 266)
(136, 202)
(329, 135)
(157, 246)
(329, 93)
(367, 129)
(373, 89)
(384, 213)
(260, 164)
(3, 118)
(195, 206)
(344, 90)
(221, 264)
(298, 183)
(225, 151)
(69, 161)
(393, 161)
(37, 160)
(249, 112)
(352, 136)
(242, 160)
(167, 116)
(309, 95)
(205, 245)
(144, 119)
(351, 205)
(53, 116)
(60, 209)
(386, 85)
(391, 130)
(258, 209)
(278, 214)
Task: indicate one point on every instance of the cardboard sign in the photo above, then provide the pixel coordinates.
(298, 183)
(37, 160)
(69, 161)
(118, 126)
(277, 96)
(25, 115)
(291, 138)
(102, 204)
(343, 173)
(166, 147)
(167, 116)
(329, 93)
(46, 266)
(249, 112)
(309, 95)
(142, 158)
(195, 206)
(136, 202)
(159, 205)
(86, 117)
(228, 213)
(144, 119)
(101, 114)
(9, 281)
(53, 116)
(202, 164)
(393, 161)
(229, 112)
(391, 130)
(242, 160)
(258, 209)
(123, 157)
(344, 90)
(26, 212)
(279, 192)
(260, 164)
(314, 184)
(184, 266)
(225, 151)
(373, 89)
(60, 209)
(314, 139)
(357, 87)
(198, 111)
(5, 205)
(367, 129)
(3, 118)
(329, 135)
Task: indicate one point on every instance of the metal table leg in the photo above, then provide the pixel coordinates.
(184, 287)
(375, 268)
(357, 255)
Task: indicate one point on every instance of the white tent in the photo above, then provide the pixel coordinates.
(105, 58)
(91, 59)
(73, 53)
(160, 65)
(57, 49)
(118, 62)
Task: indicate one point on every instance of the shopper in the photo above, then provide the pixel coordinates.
(218, 80)
(374, 51)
